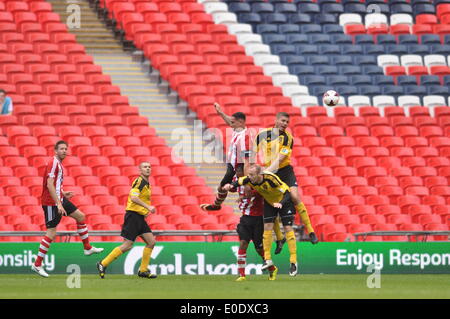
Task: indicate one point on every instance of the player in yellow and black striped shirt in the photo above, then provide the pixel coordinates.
(276, 144)
(277, 202)
(138, 207)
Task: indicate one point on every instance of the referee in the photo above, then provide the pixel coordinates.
(276, 146)
(138, 207)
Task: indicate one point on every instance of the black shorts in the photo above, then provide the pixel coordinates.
(52, 217)
(228, 178)
(287, 175)
(286, 213)
(134, 225)
(251, 228)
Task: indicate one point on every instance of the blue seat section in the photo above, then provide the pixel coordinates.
(403, 80)
(423, 8)
(289, 28)
(386, 39)
(437, 90)
(428, 80)
(364, 39)
(408, 39)
(359, 8)
(440, 49)
(333, 29)
(239, 7)
(341, 39)
(397, 49)
(360, 80)
(383, 80)
(287, 7)
(319, 60)
(447, 39)
(335, 80)
(299, 18)
(341, 60)
(325, 18)
(414, 90)
(365, 60)
(294, 38)
(394, 90)
(346, 90)
(307, 37)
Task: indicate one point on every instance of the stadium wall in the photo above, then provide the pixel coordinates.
(220, 258)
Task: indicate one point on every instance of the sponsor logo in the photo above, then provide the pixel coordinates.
(395, 257)
(179, 267)
(26, 259)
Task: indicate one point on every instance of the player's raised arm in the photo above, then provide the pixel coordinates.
(239, 182)
(225, 117)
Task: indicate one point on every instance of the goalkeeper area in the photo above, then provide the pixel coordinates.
(338, 286)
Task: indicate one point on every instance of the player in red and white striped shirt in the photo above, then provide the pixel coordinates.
(238, 152)
(251, 228)
(56, 203)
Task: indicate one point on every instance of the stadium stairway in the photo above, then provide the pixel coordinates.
(93, 34)
(140, 87)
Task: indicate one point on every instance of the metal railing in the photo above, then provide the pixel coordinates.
(410, 234)
(217, 235)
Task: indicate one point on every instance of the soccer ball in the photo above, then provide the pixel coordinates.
(330, 98)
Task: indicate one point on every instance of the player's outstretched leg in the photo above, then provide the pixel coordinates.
(241, 262)
(101, 269)
(301, 209)
(43, 249)
(279, 235)
(220, 197)
(267, 245)
(273, 273)
(113, 255)
(273, 270)
(143, 272)
(293, 269)
(292, 244)
(82, 230)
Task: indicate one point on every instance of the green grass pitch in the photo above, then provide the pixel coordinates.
(224, 287)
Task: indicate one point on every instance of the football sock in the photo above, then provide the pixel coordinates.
(277, 229)
(292, 244)
(267, 244)
(301, 209)
(43, 248)
(82, 230)
(145, 259)
(220, 197)
(241, 260)
(261, 253)
(116, 252)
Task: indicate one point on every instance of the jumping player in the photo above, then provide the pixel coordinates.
(276, 145)
(239, 150)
